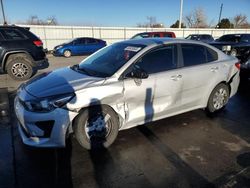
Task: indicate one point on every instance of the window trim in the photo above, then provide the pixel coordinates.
(204, 46)
(13, 29)
(178, 65)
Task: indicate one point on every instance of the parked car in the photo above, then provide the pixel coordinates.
(21, 53)
(154, 34)
(236, 45)
(79, 46)
(121, 86)
(200, 37)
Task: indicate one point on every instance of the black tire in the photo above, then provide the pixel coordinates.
(218, 98)
(102, 139)
(67, 53)
(19, 67)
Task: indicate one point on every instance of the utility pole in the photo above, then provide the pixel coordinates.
(4, 20)
(221, 7)
(180, 19)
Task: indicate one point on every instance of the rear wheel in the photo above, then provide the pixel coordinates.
(218, 98)
(96, 127)
(233, 53)
(19, 67)
(67, 53)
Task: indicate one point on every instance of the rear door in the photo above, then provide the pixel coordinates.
(159, 94)
(200, 71)
(92, 45)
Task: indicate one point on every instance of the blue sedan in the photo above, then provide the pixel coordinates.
(79, 46)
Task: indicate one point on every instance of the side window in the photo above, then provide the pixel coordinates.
(211, 55)
(156, 35)
(77, 42)
(193, 54)
(245, 38)
(159, 60)
(167, 35)
(12, 34)
(90, 41)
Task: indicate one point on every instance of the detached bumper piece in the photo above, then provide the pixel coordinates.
(42, 64)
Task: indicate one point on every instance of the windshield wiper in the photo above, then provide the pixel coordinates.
(82, 70)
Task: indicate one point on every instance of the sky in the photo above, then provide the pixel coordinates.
(124, 13)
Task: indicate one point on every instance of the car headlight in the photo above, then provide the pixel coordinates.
(226, 48)
(58, 47)
(48, 104)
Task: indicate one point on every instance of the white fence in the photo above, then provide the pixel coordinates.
(54, 35)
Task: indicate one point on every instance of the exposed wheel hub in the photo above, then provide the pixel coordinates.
(220, 98)
(19, 70)
(98, 126)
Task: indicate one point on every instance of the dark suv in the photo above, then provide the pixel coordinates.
(200, 37)
(21, 53)
(237, 45)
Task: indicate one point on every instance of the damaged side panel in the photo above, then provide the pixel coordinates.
(110, 94)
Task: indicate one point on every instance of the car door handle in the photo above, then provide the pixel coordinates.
(176, 77)
(214, 69)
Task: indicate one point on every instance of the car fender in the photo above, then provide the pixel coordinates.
(107, 94)
(7, 54)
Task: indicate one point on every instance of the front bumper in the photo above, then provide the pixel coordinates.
(57, 53)
(41, 64)
(34, 135)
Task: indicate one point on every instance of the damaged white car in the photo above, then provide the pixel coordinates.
(121, 86)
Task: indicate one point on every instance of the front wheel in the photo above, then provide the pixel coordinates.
(218, 98)
(96, 127)
(67, 53)
(18, 67)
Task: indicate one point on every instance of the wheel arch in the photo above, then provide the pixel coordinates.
(118, 116)
(211, 90)
(8, 54)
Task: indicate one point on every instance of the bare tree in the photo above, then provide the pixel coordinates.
(34, 20)
(240, 21)
(52, 20)
(196, 19)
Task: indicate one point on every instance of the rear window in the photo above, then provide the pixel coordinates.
(12, 34)
(211, 55)
(194, 54)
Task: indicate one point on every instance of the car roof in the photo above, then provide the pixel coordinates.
(235, 34)
(200, 35)
(158, 41)
(155, 32)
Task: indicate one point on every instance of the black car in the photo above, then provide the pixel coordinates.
(21, 53)
(237, 45)
(200, 37)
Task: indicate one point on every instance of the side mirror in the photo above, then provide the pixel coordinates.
(138, 73)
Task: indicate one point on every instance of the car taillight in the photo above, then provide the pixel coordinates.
(38, 43)
(238, 65)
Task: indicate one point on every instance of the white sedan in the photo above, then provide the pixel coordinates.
(121, 86)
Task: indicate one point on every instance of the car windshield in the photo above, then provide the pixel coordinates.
(140, 36)
(107, 61)
(229, 38)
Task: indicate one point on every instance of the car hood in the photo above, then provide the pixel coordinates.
(60, 81)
